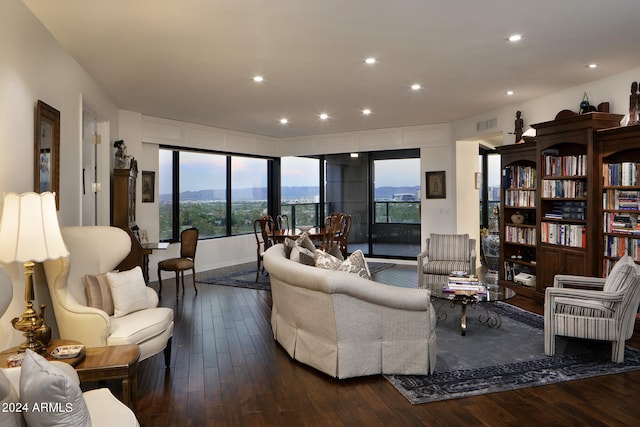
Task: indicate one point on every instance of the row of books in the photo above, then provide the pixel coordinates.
(519, 177)
(567, 210)
(616, 222)
(574, 235)
(622, 174)
(555, 165)
(563, 188)
(625, 200)
(520, 198)
(464, 284)
(615, 246)
(523, 235)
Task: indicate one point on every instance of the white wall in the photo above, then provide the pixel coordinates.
(34, 66)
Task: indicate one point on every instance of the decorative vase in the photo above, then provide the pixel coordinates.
(517, 218)
(43, 333)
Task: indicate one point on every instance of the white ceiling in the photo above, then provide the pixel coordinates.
(193, 60)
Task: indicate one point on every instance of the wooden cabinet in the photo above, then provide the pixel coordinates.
(619, 187)
(568, 208)
(518, 230)
(123, 214)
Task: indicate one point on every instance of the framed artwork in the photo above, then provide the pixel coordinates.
(436, 185)
(148, 186)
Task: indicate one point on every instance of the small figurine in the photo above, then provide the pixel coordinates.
(519, 124)
(121, 160)
(633, 104)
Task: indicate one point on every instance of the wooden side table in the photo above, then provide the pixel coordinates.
(4, 355)
(118, 362)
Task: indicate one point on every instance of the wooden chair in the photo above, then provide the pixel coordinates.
(263, 228)
(332, 225)
(188, 244)
(343, 235)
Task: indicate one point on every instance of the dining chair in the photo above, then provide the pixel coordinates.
(186, 261)
(263, 228)
(332, 224)
(343, 235)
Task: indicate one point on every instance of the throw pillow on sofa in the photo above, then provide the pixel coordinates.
(129, 291)
(326, 260)
(98, 292)
(356, 264)
(57, 397)
(303, 251)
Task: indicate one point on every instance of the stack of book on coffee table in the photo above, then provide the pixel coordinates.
(464, 285)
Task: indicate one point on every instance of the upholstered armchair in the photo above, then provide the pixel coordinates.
(92, 251)
(601, 309)
(445, 253)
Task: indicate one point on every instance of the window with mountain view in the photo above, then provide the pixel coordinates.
(249, 192)
(397, 191)
(203, 193)
(300, 190)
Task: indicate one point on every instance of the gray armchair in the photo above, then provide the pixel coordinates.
(445, 253)
(605, 311)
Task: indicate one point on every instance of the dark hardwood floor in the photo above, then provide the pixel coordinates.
(226, 370)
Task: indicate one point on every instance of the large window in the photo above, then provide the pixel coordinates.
(194, 192)
(397, 191)
(249, 192)
(489, 166)
(300, 190)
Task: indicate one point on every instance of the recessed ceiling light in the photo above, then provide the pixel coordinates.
(416, 86)
(366, 111)
(323, 116)
(515, 38)
(371, 60)
(284, 121)
(510, 92)
(258, 79)
(592, 66)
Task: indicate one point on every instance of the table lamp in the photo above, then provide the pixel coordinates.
(29, 233)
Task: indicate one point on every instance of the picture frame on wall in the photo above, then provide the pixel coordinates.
(436, 185)
(148, 186)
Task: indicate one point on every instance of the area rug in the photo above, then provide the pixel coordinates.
(488, 360)
(247, 278)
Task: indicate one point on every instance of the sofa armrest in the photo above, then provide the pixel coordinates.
(561, 280)
(582, 294)
(422, 258)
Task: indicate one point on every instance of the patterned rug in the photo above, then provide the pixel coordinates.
(512, 357)
(247, 278)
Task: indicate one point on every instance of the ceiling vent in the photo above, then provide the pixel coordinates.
(487, 124)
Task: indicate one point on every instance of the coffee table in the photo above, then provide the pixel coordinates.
(485, 300)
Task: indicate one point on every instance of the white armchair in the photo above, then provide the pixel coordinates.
(95, 250)
(103, 407)
(605, 311)
(445, 253)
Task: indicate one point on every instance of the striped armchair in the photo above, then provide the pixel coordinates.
(445, 253)
(606, 311)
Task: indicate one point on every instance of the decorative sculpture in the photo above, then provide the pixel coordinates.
(633, 104)
(121, 160)
(519, 125)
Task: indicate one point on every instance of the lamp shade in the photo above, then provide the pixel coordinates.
(29, 229)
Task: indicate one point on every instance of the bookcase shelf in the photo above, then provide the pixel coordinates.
(619, 150)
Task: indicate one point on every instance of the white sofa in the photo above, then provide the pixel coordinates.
(348, 326)
(94, 250)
